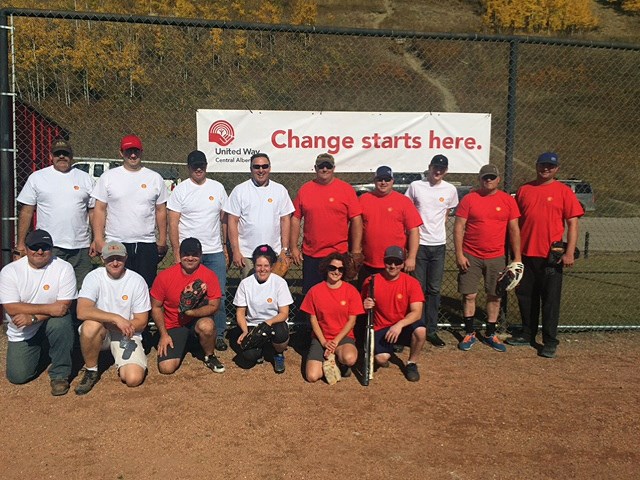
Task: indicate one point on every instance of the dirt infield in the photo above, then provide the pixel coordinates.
(474, 415)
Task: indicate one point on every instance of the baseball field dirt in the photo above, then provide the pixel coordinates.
(473, 415)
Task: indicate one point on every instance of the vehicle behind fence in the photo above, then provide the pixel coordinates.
(97, 77)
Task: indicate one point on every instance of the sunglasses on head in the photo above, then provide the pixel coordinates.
(258, 166)
(326, 165)
(40, 246)
(60, 153)
(489, 178)
(333, 268)
(393, 261)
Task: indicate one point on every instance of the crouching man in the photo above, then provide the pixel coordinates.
(113, 305)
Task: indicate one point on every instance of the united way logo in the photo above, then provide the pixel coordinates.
(222, 133)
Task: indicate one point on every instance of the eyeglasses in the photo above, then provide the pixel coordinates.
(114, 258)
(333, 268)
(60, 153)
(258, 166)
(130, 151)
(393, 261)
(383, 179)
(326, 165)
(40, 246)
(489, 178)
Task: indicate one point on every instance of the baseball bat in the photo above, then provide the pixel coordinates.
(369, 342)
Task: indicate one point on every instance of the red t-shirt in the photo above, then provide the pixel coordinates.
(487, 219)
(332, 307)
(386, 221)
(544, 210)
(327, 210)
(170, 283)
(393, 298)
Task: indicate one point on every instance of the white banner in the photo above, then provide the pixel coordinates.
(359, 141)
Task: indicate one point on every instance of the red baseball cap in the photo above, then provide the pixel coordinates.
(130, 141)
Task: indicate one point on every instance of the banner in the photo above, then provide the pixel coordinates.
(359, 141)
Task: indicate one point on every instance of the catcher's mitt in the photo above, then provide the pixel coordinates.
(355, 263)
(193, 296)
(257, 337)
(331, 370)
(281, 267)
(509, 278)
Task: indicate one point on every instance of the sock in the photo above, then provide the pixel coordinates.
(491, 329)
(468, 325)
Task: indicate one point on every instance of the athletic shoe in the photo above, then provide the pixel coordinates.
(221, 345)
(548, 352)
(494, 342)
(88, 381)
(412, 372)
(435, 340)
(59, 387)
(212, 362)
(345, 371)
(468, 342)
(278, 363)
(518, 341)
(260, 361)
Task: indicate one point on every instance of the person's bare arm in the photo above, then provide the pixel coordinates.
(87, 310)
(458, 236)
(294, 236)
(234, 239)
(514, 239)
(413, 242)
(285, 231)
(161, 222)
(99, 222)
(355, 234)
(25, 217)
(568, 259)
(174, 236)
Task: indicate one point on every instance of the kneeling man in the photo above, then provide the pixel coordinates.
(397, 300)
(113, 305)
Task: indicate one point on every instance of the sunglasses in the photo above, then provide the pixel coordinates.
(199, 166)
(130, 151)
(263, 166)
(393, 261)
(114, 258)
(40, 246)
(489, 178)
(333, 268)
(383, 179)
(60, 153)
(326, 165)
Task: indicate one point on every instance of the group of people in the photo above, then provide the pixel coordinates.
(392, 246)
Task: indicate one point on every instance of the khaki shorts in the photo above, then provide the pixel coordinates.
(488, 269)
(135, 356)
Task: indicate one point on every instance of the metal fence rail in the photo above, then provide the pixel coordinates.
(100, 76)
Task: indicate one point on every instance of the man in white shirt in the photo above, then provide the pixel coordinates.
(195, 210)
(131, 201)
(36, 292)
(259, 213)
(61, 197)
(434, 198)
(113, 305)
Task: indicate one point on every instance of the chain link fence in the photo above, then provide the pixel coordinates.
(97, 77)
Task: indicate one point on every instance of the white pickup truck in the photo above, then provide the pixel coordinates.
(96, 168)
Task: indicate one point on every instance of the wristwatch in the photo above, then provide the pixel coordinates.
(34, 319)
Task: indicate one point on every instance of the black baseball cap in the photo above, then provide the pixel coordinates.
(440, 161)
(196, 158)
(191, 246)
(394, 252)
(384, 172)
(38, 237)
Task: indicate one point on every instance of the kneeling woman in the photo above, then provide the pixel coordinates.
(333, 306)
(264, 297)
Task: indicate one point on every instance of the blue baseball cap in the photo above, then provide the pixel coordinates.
(548, 157)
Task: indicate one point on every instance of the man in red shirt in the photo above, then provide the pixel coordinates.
(388, 218)
(482, 220)
(547, 207)
(397, 301)
(332, 221)
(178, 328)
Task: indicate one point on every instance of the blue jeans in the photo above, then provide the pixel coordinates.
(217, 263)
(429, 272)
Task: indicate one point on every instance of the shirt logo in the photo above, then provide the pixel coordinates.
(549, 199)
(498, 209)
(125, 297)
(390, 209)
(441, 199)
(76, 187)
(400, 296)
(269, 300)
(144, 185)
(46, 287)
(343, 302)
(331, 199)
(270, 200)
(211, 198)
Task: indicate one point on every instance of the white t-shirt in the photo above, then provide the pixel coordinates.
(262, 300)
(21, 283)
(62, 201)
(199, 207)
(131, 199)
(433, 203)
(124, 296)
(260, 210)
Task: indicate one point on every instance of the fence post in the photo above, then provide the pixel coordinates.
(511, 116)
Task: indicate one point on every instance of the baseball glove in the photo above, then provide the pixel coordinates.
(193, 296)
(509, 278)
(331, 370)
(257, 337)
(281, 267)
(355, 263)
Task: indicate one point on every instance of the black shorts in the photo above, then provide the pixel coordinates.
(182, 337)
(316, 351)
(382, 346)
